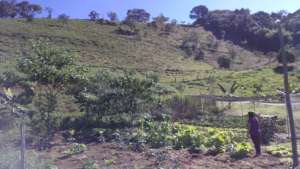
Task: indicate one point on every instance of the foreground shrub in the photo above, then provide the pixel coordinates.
(75, 148)
(188, 137)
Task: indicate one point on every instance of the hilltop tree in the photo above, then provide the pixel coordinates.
(137, 15)
(63, 18)
(49, 10)
(113, 17)
(93, 15)
(27, 10)
(199, 12)
(263, 19)
(8, 9)
(160, 22)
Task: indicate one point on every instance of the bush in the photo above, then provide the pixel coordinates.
(75, 148)
(158, 134)
(126, 30)
(188, 137)
(268, 129)
(224, 62)
(63, 18)
(240, 150)
(90, 164)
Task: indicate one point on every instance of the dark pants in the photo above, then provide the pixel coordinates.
(256, 142)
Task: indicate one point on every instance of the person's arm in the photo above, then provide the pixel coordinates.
(248, 129)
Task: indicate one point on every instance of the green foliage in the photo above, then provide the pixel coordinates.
(158, 134)
(216, 141)
(47, 64)
(109, 162)
(279, 151)
(210, 140)
(110, 94)
(75, 148)
(188, 137)
(52, 69)
(240, 150)
(90, 164)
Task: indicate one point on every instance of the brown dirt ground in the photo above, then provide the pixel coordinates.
(114, 156)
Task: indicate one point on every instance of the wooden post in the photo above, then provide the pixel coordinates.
(288, 100)
(23, 142)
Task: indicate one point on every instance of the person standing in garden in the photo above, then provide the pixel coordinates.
(254, 131)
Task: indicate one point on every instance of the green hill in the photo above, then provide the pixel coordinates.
(99, 45)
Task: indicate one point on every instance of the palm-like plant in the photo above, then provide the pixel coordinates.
(229, 90)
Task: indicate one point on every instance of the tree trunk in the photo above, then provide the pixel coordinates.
(288, 101)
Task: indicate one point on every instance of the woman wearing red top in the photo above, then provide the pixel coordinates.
(254, 131)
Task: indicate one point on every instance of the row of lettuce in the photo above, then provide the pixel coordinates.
(155, 134)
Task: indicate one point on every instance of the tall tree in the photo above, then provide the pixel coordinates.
(160, 22)
(8, 8)
(52, 68)
(49, 11)
(27, 10)
(199, 12)
(137, 15)
(93, 15)
(112, 16)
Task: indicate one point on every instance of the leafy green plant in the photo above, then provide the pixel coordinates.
(216, 141)
(188, 137)
(75, 148)
(158, 134)
(90, 164)
(279, 151)
(240, 150)
(109, 162)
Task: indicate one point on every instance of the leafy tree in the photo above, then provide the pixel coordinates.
(199, 12)
(137, 15)
(110, 94)
(27, 10)
(51, 68)
(171, 27)
(263, 19)
(93, 15)
(63, 18)
(191, 44)
(160, 22)
(113, 17)
(8, 9)
(49, 10)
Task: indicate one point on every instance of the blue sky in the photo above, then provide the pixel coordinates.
(175, 9)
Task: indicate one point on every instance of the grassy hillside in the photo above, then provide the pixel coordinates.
(100, 46)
